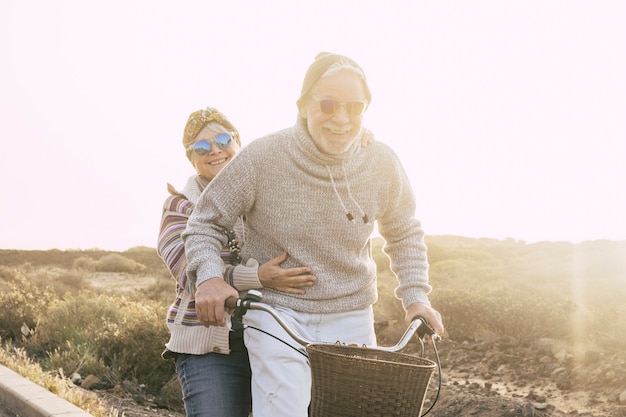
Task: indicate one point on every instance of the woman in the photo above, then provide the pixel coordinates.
(212, 362)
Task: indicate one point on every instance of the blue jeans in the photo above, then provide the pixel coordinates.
(215, 385)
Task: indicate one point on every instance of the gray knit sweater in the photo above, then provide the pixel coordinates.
(296, 199)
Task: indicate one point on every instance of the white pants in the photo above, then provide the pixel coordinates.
(281, 377)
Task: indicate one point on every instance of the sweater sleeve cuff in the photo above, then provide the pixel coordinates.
(204, 273)
(414, 295)
(245, 277)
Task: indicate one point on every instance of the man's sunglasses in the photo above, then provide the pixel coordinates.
(203, 147)
(353, 108)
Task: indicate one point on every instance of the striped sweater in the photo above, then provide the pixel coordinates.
(187, 334)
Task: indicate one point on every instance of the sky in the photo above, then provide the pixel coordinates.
(508, 116)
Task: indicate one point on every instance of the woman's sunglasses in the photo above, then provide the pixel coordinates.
(203, 147)
(353, 108)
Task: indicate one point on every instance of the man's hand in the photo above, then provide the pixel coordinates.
(429, 313)
(288, 280)
(210, 298)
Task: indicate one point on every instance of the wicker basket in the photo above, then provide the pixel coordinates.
(350, 381)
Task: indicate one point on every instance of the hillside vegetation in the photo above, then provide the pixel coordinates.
(59, 311)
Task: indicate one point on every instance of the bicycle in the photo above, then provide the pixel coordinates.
(342, 383)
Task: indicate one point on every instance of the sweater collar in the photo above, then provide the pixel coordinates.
(305, 143)
(194, 187)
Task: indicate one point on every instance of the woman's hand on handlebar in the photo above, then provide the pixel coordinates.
(288, 280)
(210, 297)
(430, 314)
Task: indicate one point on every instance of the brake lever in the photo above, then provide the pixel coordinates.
(425, 329)
(241, 307)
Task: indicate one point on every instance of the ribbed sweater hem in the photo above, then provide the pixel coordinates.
(356, 301)
(198, 340)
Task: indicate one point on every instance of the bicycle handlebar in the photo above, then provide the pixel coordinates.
(252, 301)
(241, 305)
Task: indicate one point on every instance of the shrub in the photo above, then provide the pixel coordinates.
(117, 263)
(6, 274)
(112, 332)
(22, 304)
(79, 319)
(73, 358)
(146, 256)
(515, 316)
(605, 324)
(462, 311)
(135, 352)
(84, 263)
(163, 290)
(70, 282)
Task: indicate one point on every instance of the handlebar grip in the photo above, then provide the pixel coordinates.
(251, 295)
(425, 328)
(231, 302)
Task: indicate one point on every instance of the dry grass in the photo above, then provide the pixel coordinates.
(103, 313)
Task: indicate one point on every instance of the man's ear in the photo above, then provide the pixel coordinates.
(302, 111)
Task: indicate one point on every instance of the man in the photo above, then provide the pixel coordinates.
(312, 190)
